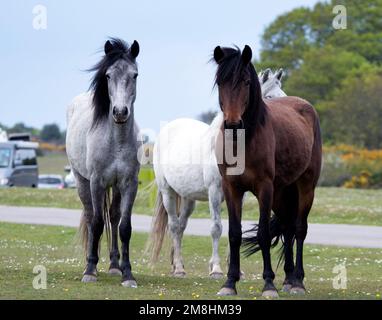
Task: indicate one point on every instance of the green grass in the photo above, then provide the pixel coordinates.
(24, 246)
(53, 164)
(332, 205)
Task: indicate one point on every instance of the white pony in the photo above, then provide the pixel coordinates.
(186, 170)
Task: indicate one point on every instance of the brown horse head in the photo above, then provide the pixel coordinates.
(238, 85)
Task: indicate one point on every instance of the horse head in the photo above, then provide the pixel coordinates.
(114, 83)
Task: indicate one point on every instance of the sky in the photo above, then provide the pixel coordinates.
(43, 70)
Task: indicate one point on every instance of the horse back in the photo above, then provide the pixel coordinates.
(296, 131)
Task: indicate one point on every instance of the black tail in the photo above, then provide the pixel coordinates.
(251, 244)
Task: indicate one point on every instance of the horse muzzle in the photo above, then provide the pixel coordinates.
(120, 115)
(234, 125)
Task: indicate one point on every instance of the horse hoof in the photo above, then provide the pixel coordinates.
(216, 275)
(270, 294)
(297, 291)
(227, 292)
(286, 288)
(129, 284)
(180, 274)
(89, 278)
(115, 272)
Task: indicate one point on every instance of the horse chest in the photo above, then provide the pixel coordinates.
(118, 168)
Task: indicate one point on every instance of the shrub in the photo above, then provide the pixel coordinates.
(351, 167)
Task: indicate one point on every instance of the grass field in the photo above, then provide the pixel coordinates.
(332, 205)
(53, 164)
(24, 246)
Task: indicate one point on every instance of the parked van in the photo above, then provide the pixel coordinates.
(18, 164)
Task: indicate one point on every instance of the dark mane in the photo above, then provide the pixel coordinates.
(101, 101)
(231, 70)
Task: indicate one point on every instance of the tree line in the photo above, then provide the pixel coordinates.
(48, 133)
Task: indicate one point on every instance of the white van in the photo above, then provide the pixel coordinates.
(18, 164)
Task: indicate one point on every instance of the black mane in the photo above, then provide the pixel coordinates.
(231, 70)
(101, 101)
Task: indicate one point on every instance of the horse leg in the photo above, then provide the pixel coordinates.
(265, 197)
(115, 217)
(170, 203)
(288, 235)
(128, 193)
(215, 198)
(95, 229)
(83, 188)
(305, 203)
(186, 208)
(234, 200)
(285, 204)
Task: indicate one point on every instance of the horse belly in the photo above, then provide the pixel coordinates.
(178, 158)
(291, 163)
(187, 181)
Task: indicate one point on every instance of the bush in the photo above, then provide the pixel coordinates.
(351, 167)
(334, 171)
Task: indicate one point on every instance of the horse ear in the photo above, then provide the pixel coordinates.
(134, 49)
(246, 56)
(266, 75)
(108, 47)
(218, 54)
(280, 74)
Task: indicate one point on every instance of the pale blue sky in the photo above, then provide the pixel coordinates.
(41, 70)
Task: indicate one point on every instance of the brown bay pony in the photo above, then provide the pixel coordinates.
(282, 167)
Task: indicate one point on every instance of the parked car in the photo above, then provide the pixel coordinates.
(70, 180)
(18, 164)
(51, 181)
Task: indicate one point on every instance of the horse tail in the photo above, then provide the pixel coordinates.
(83, 228)
(83, 232)
(106, 219)
(251, 243)
(158, 228)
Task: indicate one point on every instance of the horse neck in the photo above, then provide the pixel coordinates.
(123, 133)
(255, 114)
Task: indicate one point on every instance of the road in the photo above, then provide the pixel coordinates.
(324, 234)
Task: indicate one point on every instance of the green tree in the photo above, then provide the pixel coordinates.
(50, 132)
(292, 34)
(322, 71)
(354, 115)
(283, 38)
(20, 127)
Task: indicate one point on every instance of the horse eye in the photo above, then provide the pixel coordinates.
(135, 76)
(108, 77)
(247, 82)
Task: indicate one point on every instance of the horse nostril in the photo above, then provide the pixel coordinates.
(234, 125)
(124, 111)
(114, 111)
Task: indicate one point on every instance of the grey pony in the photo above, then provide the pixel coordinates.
(102, 145)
